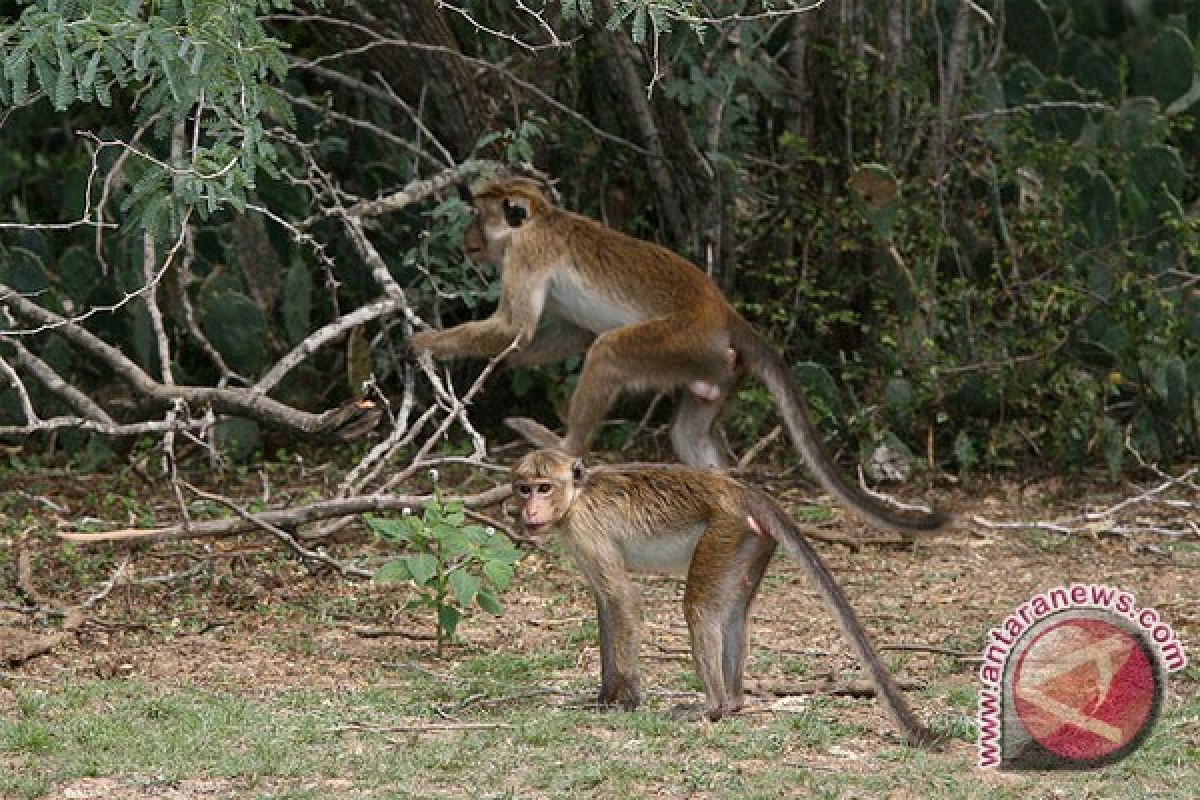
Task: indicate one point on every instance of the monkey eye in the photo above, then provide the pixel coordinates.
(544, 488)
(523, 490)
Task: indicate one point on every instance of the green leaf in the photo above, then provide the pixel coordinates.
(448, 619)
(1143, 436)
(639, 25)
(454, 514)
(965, 452)
(489, 602)
(454, 542)
(498, 573)
(390, 528)
(1174, 382)
(64, 89)
(504, 553)
(392, 572)
(237, 438)
(1167, 69)
(422, 567)
(17, 69)
(237, 327)
(297, 301)
(1029, 30)
(465, 586)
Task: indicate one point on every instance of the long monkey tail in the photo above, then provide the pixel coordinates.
(764, 363)
(767, 519)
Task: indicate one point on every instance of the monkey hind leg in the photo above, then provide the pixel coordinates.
(704, 625)
(696, 430)
(726, 569)
(736, 628)
(665, 353)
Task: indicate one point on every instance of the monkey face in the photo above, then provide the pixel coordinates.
(543, 504)
(487, 238)
(503, 208)
(546, 482)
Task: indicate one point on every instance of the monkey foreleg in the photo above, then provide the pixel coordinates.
(479, 339)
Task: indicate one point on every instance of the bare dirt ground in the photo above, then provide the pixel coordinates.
(252, 620)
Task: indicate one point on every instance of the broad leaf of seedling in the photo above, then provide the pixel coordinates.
(422, 567)
(465, 586)
(499, 573)
(392, 572)
(390, 528)
(454, 542)
(489, 602)
(448, 619)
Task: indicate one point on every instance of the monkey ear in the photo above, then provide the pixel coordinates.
(578, 474)
(516, 211)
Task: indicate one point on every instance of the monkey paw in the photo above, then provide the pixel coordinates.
(625, 698)
(423, 342)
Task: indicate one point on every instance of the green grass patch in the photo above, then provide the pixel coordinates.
(280, 745)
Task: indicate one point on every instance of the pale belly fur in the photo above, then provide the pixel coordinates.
(663, 553)
(570, 298)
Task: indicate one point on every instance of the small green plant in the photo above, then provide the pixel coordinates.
(454, 566)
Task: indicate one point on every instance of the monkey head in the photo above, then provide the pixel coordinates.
(547, 482)
(503, 206)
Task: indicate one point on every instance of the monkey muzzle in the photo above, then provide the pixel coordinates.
(536, 528)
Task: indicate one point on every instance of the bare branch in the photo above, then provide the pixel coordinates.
(327, 335)
(284, 536)
(231, 401)
(289, 517)
(1106, 520)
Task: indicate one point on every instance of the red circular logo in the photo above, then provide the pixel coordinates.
(1085, 688)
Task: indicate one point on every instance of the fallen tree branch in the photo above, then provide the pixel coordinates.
(242, 402)
(287, 538)
(286, 517)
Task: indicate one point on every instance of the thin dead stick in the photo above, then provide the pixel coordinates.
(939, 651)
(759, 446)
(1104, 521)
(887, 498)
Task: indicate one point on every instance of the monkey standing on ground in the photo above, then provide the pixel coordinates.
(648, 319)
(706, 525)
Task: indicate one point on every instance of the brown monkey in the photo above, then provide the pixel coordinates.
(706, 525)
(648, 320)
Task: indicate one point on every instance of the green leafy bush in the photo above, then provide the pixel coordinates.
(453, 566)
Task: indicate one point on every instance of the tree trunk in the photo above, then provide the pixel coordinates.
(421, 77)
(686, 184)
